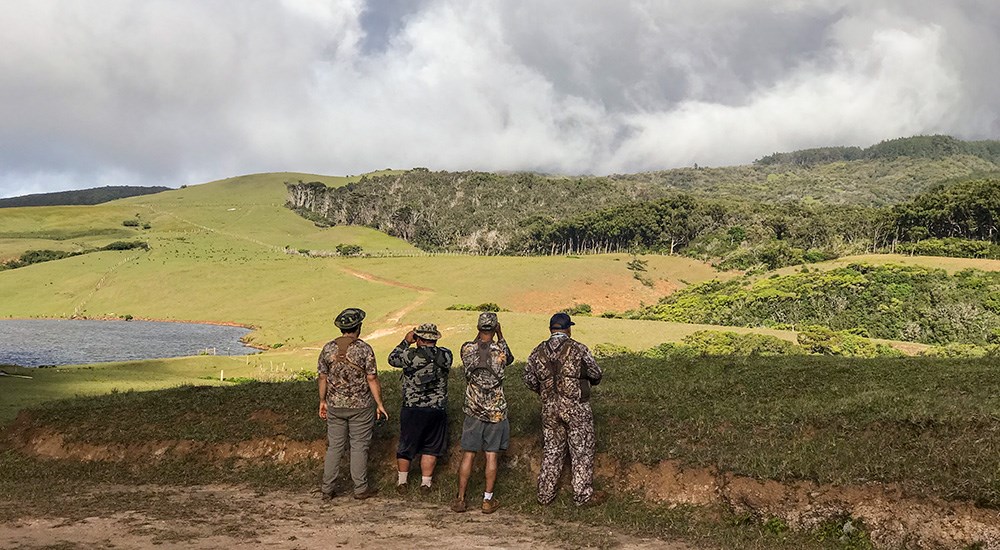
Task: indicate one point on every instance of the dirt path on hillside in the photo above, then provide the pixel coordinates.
(393, 318)
(228, 517)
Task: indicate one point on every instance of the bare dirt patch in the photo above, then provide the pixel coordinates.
(607, 293)
(229, 517)
(893, 518)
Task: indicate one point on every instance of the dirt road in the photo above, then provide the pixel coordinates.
(227, 517)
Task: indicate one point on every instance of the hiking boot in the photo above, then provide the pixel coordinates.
(425, 490)
(402, 489)
(491, 505)
(458, 505)
(596, 499)
(367, 493)
(324, 496)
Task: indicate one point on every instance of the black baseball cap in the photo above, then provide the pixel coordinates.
(560, 321)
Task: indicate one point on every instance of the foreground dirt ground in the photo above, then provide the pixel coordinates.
(228, 517)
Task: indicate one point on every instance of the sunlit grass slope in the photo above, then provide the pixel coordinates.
(226, 252)
(951, 265)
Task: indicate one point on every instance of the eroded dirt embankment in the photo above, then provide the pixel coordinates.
(893, 518)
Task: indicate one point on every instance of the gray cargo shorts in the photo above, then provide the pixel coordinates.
(491, 437)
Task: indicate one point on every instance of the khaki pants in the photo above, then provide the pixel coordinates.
(355, 426)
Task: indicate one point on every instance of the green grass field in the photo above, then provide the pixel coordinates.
(228, 252)
(218, 254)
(897, 422)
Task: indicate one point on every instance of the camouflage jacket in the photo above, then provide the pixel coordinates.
(561, 367)
(346, 372)
(484, 364)
(425, 374)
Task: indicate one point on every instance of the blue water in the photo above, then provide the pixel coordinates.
(35, 343)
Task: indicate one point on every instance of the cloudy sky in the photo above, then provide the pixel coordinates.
(167, 92)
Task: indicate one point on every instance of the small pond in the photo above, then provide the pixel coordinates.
(36, 342)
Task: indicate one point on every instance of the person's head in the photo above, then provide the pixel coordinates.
(487, 325)
(349, 320)
(561, 322)
(426, 335)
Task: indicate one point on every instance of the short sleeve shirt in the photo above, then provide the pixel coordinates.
(484, 365)
(347, 374)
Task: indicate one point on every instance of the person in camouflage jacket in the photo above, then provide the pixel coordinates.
(350, 400)
(561, 371)
(485, 427)
(423, 420)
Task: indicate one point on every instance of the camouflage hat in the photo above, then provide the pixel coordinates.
(427, 331)
(349, 318)
(487, 321)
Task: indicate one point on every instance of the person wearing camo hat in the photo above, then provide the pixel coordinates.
(423, 420)
(485, 427)
(350, 400)
(561, 371)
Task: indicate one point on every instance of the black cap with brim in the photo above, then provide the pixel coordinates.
(560, 321)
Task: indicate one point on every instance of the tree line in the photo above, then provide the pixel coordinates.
(740, 217)
(963, 218)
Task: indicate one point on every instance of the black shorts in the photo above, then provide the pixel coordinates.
(422, 431)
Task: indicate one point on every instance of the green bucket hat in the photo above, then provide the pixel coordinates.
(428, 331)
(349, 318)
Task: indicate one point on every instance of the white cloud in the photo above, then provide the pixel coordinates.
(178, 91)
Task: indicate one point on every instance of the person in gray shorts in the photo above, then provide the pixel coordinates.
(486, 428)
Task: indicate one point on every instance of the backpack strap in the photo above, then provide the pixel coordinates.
(554, 360)
(343, 343)
(484, 365)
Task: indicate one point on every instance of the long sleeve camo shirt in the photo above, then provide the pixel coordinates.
(575, 369)
(425, 374)
(484, 364)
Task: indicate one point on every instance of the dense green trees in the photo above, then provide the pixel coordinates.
(894, 302)
(788, 209)
(97, 195)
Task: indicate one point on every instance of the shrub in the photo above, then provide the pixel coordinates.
(709, 342)
(606, 349)
(486, 306)
(131, 223)
(823, 341)
(959, 351)
(579, 309)
(126, 245)
(349, 249)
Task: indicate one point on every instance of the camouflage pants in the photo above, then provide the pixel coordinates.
(567, 424)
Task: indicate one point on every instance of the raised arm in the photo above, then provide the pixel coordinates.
(507, 352)
(397, 357)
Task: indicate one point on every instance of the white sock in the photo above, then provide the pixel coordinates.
(402, 477)
(487, 496)
(425, 481)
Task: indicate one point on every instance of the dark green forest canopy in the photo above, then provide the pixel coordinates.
(96, 195)
(892, 302)
(771, 214)
(931, 147)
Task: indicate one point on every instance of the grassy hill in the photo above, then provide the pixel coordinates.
(218, 254)
(230, 251)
